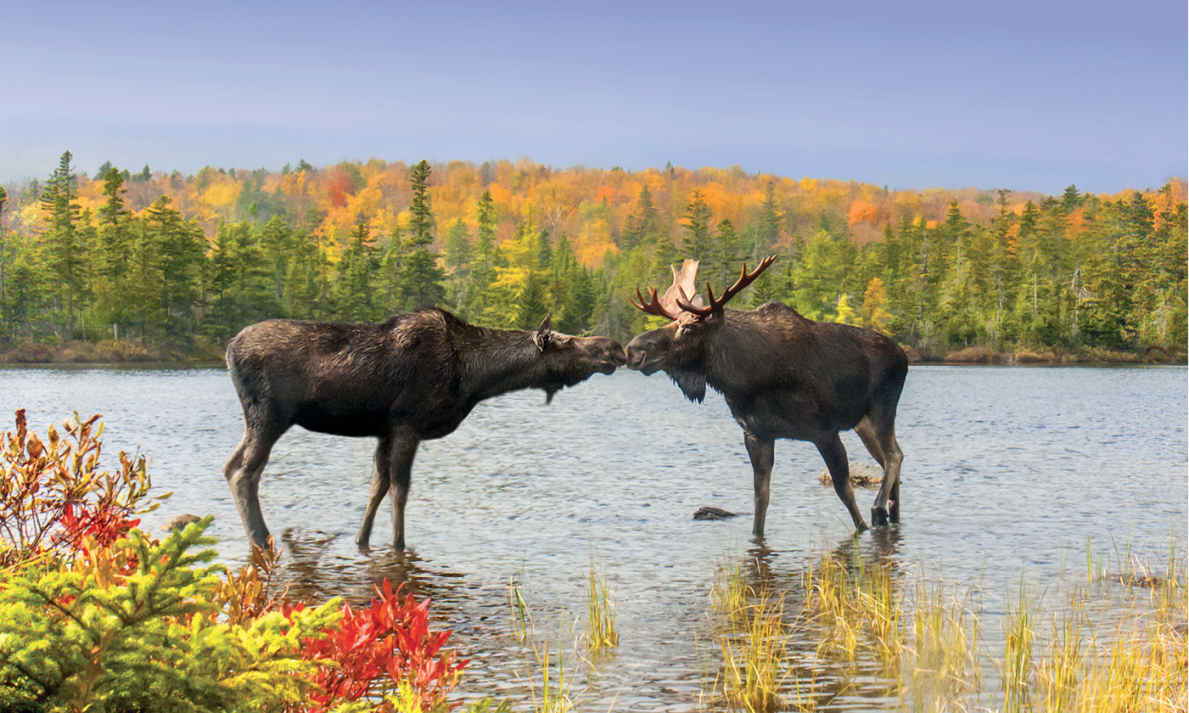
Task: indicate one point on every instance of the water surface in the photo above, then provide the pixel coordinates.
(1008, 474)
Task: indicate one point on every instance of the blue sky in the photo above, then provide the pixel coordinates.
(1025, 95)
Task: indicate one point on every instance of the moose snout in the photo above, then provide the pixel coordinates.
(606, 353)
(636, 356)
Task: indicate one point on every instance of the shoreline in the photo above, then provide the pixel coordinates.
(129, 354)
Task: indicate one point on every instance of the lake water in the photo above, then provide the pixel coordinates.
(1008, 474)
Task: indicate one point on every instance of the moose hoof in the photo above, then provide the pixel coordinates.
(879, 517)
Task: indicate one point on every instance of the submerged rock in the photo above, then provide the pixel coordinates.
(862, 475)
(180, 522)
(709, 513)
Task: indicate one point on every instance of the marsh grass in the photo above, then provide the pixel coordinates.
(751, 642)
(859, 610)
(943, 664)
(522, 622)
(755, 658)
(1016, 666)
(729, 597)
(554, 694)
(601, 633)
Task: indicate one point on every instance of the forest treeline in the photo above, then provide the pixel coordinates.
(183, 262)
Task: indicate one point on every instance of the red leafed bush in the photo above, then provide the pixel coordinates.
(54, 495)
(378, 648)
(103, 524)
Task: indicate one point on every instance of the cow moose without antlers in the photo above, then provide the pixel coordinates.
(412, 378)
(783, 376)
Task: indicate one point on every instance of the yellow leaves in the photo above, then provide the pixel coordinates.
(218, 197)
(862, 212)
(874, 313)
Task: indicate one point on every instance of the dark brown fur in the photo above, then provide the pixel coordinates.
(784, 376)
(412, 378)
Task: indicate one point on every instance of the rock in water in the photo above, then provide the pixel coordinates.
(180, 522)
(862, 475)
(708, 513)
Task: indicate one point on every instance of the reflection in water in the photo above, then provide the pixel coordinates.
(863, 684)
(539, 493)
(313, 569)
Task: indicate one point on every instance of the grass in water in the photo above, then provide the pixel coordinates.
(1017, 656)
(858, 609)
(943, 660)
(555, 689)
(601, 633)
(730, 594)
(755, 658)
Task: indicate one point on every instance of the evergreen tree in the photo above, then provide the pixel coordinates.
(355, 282)
(531, 304)
(486, 257)
(644, 224)
(728, 254)
(768, 225)
(458, 266)
(697, 244)
(115, 247)
(182, 251)
(59, 202)
(422, 279)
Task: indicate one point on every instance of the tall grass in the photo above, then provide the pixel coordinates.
(751, 639)
(555, 692)
(859, 609)
(755, 658)
(601, 633)
(730, 593)
(1016, 667)
(943, 658)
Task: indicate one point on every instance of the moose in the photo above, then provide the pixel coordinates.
(412, 378)
(783, 376)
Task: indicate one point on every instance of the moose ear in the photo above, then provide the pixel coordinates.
(544, 330)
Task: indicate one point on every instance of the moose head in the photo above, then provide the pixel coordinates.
(680, 348)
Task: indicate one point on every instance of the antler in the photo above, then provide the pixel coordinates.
(716, 304)
(667, 304)
(652, 307)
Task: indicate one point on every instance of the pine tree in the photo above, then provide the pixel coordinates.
(768, 225)
(355, 282)
(486, 257)
(731, 252)
(59, 201)
(182, 251)
(458, 266)
(643, 225)
(421, 276)
(697, 244)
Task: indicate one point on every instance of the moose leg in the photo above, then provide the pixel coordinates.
(243, 475)
(867, 434)
(402, 452)
(380, 480)
(834, 453)
(760, 451)
(866, 430)
(887, 502)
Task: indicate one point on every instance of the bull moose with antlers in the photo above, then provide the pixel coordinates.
(783, 376)
(412, 378)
